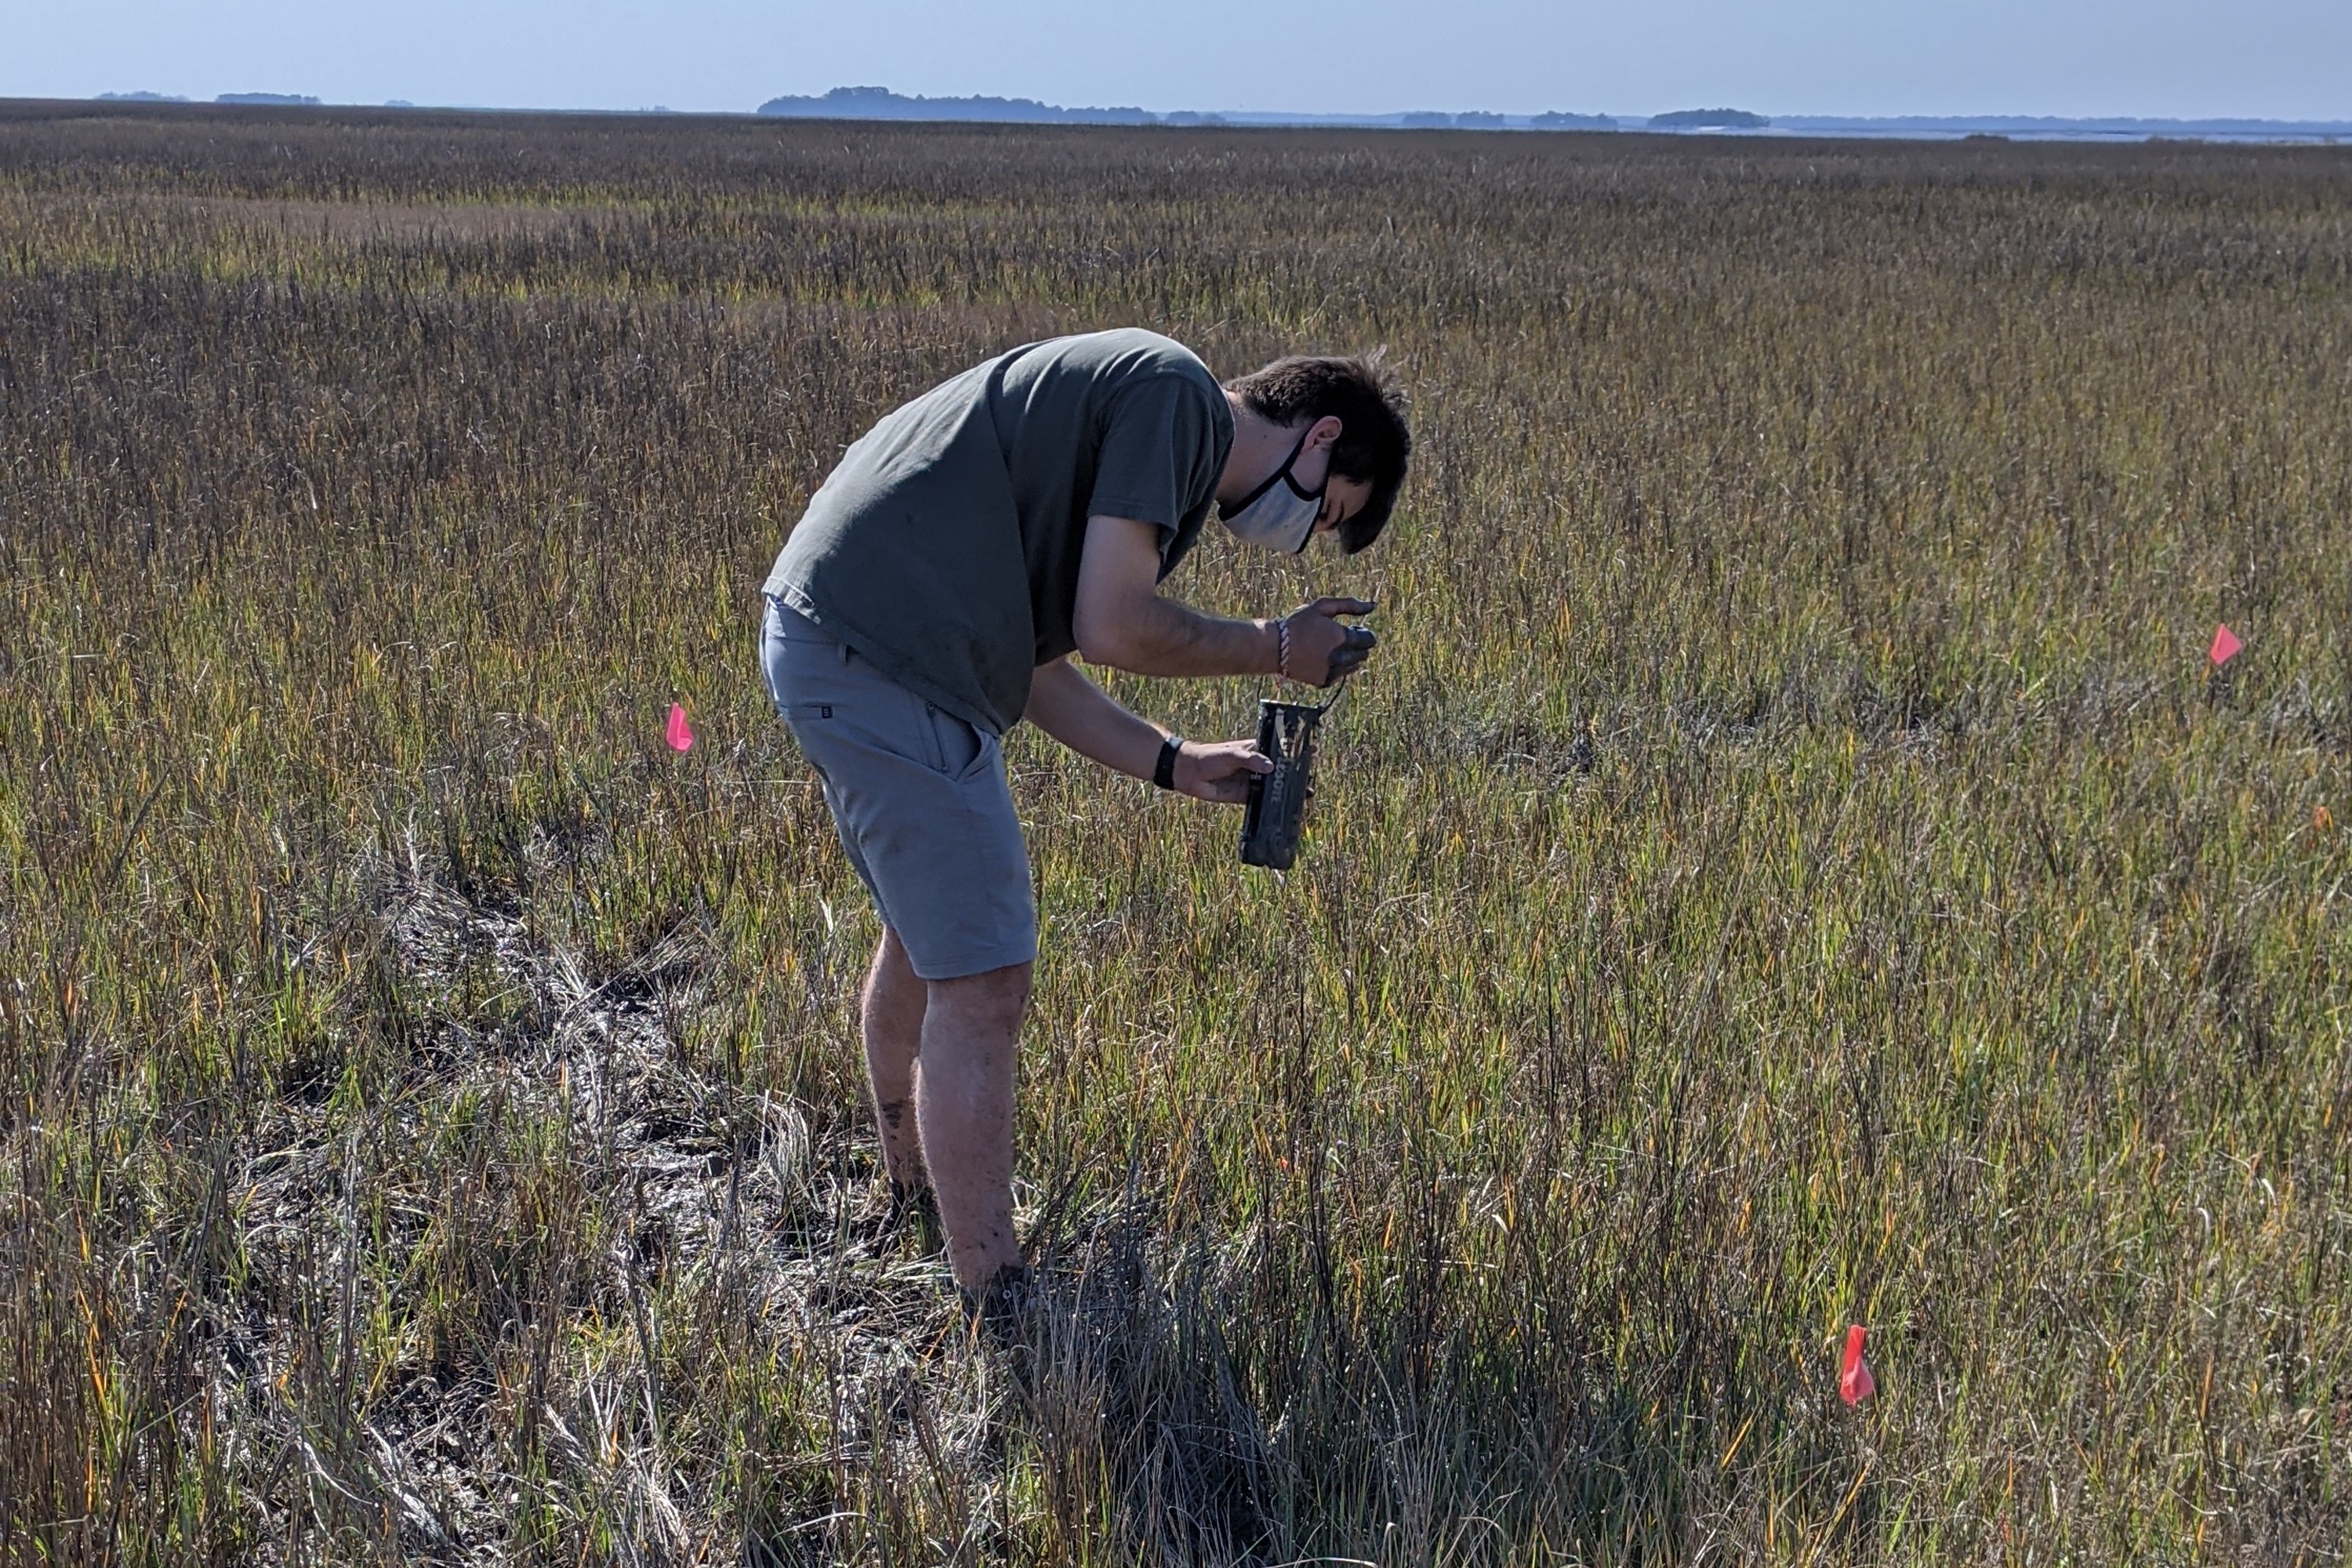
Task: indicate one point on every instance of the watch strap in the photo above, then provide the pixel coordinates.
(1163, 772)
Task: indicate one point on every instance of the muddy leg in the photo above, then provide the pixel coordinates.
(892, 1017)
(970, 1031)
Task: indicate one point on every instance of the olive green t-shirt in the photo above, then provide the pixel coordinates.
(944, 548)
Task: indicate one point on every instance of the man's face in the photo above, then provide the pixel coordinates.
(1343, 498)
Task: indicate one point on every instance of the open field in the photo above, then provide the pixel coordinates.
(1789, 863)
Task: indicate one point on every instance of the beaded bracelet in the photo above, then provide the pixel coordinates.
(1282, 650)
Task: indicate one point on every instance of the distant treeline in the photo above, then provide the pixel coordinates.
(1708, 119)
(881, 103)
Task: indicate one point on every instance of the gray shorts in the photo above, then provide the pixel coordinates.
(919, 797)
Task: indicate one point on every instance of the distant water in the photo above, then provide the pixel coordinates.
(880, 103)
(2031, 128)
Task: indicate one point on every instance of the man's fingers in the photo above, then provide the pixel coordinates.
(1222, 773)
(1242, 758)
(1354, 641)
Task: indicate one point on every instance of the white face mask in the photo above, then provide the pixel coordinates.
(1279, 514)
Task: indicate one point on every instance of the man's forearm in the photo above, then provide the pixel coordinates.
(1165, 638)
(1076, 711)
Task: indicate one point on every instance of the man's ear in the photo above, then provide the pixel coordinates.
(1323, 433)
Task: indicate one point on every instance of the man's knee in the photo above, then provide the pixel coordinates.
(1003, 993)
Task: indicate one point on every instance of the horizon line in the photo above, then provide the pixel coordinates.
(1472, 119)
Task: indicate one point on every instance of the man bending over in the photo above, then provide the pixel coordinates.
(930, 599)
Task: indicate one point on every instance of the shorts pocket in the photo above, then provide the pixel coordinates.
(958, 746)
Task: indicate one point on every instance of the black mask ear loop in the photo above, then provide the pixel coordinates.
(1279, 476)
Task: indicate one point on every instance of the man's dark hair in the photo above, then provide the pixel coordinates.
(1363, 392)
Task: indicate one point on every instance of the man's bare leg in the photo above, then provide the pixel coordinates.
(892, 1017)
(965, 1107)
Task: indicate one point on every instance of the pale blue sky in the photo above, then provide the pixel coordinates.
(2269, 59)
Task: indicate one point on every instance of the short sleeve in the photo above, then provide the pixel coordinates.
(1158, 463)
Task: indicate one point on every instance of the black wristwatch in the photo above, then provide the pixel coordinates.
(1163, 772)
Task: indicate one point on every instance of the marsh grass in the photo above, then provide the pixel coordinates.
(1790, 865)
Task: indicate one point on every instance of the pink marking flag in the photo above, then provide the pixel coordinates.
(1854, 1382)
(681, 734)
(2225, 645)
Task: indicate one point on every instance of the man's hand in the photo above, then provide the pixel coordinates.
(1322, 650)
(1220, 772)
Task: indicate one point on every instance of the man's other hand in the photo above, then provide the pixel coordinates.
(1324, 649)
(1219, 771)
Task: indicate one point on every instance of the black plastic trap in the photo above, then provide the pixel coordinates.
(1277, 800)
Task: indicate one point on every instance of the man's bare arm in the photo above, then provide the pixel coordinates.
(1122, 621)
(1076, 711)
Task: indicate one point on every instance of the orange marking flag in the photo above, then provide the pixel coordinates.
(1854, 1382)
(681, 734)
